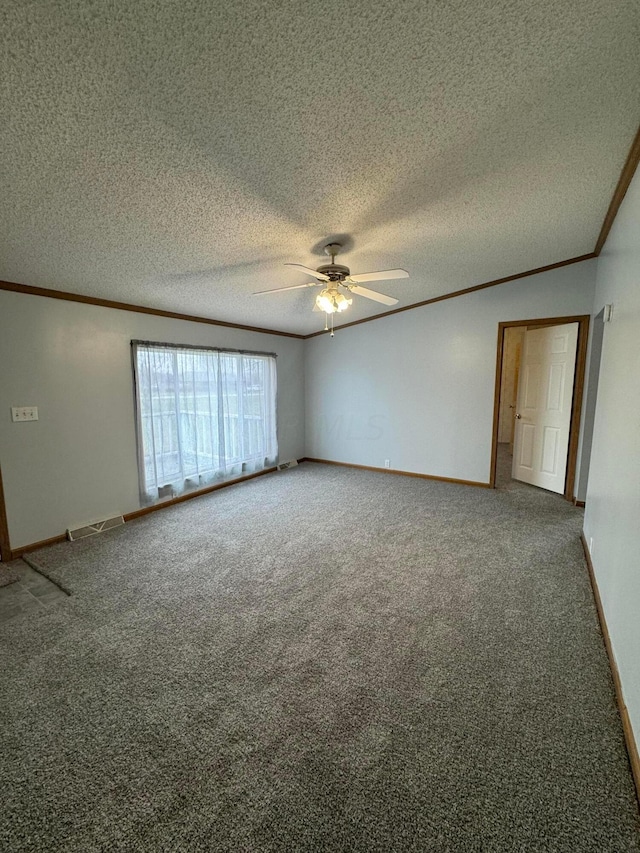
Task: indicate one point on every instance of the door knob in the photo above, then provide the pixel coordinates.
(518, 415)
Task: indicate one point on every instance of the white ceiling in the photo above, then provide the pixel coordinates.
(175, 153)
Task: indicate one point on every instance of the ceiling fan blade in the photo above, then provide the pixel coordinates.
(280, 289)
(382, 275)
(372, 294)
(319, 275)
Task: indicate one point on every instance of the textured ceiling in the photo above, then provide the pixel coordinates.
(175, 154)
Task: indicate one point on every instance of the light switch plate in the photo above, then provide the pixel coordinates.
(24, 413)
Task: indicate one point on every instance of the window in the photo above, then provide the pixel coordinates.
(202, 415)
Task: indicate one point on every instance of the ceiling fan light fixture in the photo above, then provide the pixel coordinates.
(330, 301)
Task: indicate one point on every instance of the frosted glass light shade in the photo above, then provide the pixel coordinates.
(331, 301)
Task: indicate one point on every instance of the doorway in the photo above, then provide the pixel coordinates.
(533, 359)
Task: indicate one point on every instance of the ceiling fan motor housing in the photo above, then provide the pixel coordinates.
(335, 272)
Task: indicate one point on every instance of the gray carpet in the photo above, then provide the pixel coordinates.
(319, 660)
(8, 574)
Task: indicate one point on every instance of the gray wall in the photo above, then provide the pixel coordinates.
(417, 388)
(77, 464)
(612, 517)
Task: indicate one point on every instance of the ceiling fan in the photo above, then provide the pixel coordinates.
(339, 284)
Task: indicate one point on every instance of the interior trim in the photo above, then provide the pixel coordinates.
(583, 321)
(629, 737)
(401, 473)
(5, 545)
(138, 513)
(626, 176)
(14, 287)
(35, 546)
(457, 293)
(145, 510)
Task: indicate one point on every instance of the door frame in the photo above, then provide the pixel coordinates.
(583, 321)
(5, 546)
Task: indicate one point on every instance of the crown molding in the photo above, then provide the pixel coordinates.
(14, 287)
(626, 176)
(463, 292)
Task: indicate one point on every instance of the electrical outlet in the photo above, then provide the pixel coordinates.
(386, 463)
(24, 413)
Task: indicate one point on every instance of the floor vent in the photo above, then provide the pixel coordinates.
(282, 466)
(92, 529)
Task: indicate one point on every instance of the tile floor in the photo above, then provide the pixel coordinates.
(32, 593)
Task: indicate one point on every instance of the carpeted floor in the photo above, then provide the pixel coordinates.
(8, 574)
(322, 659)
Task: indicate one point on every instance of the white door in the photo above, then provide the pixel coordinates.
(543, 415)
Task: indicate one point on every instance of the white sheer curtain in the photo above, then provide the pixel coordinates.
(202, 415)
